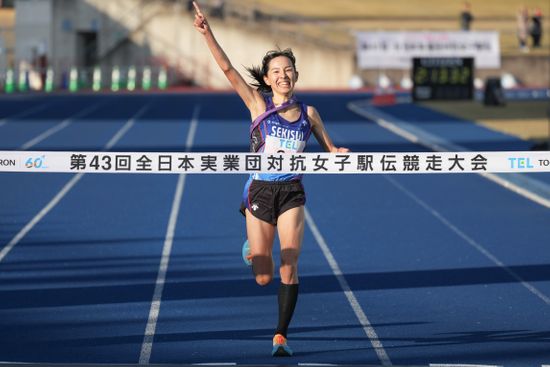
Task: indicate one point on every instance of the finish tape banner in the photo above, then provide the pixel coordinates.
(303, 163)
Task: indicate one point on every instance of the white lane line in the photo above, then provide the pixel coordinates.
(154, 311)
(124, 129)
(63, 124)
(68, 186)
(147, 345)
(515, 182)
(23, 232)
(25, 113)
(359, 313)
(462, 365)
(471, 241)
(192, 129)
(516, 187)
(46, 134)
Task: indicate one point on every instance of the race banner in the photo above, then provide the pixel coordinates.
(247, 163)
(395, 50)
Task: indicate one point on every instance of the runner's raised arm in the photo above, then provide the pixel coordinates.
(248, 94)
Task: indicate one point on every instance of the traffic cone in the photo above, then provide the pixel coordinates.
(115, 79)
(131, 83)
(73, 80)
(163, 79)
(10, 81)
(48, 85)
(146, 78)
(96, 83)
(22, 84)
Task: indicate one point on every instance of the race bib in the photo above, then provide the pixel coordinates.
(282, 145)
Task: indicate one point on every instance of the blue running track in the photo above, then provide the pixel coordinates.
(395, 270)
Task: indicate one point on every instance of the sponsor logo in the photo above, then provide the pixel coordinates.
(280, 132)
(36, 163)
(7, 162)
(288, 144)
(520, 162)
(254, 206)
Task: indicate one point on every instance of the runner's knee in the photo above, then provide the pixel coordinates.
(263, 269)
(289, 257)
(263, 279)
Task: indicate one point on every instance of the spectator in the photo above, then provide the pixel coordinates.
(535, 29)
(466, 17)
(522, 18)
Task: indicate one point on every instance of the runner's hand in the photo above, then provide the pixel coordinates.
(200, 20)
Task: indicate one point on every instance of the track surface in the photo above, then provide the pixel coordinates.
(445, 268)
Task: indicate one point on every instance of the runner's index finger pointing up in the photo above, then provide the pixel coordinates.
(197, 9)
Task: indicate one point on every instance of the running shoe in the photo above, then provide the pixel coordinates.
(280, 349)
(247, 257)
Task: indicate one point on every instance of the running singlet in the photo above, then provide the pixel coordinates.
(277, 135)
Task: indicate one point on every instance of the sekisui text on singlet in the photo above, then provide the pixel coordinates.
(277, 135)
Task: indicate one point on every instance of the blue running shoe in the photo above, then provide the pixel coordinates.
(280, 349)
(247, 257)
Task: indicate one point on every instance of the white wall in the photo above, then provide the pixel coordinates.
(177, 39)
(170, 36)
(163, 31)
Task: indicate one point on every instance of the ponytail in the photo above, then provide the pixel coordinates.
(257, 74)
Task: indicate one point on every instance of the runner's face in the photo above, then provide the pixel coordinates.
(281, 76)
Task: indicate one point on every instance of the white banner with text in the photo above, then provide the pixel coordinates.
(395, 50)
(302, 163)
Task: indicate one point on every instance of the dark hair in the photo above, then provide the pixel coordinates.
(258, 72)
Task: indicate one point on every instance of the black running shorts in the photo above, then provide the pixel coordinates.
(268, 199)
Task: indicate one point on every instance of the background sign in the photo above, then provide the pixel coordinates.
(395, 50)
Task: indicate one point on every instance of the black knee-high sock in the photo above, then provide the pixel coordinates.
(288, 295)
